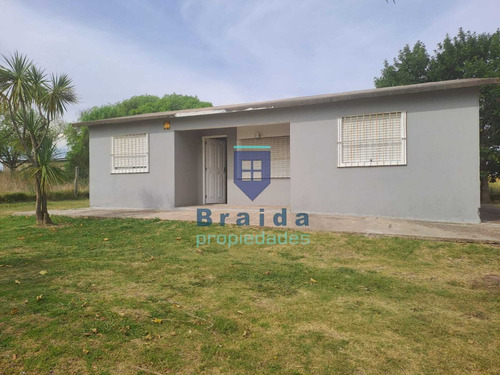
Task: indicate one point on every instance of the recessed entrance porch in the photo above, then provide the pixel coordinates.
(205, 170)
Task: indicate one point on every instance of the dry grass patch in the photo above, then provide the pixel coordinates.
(16, 183)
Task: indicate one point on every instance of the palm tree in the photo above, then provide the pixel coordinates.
(34, 101)
(46, 171)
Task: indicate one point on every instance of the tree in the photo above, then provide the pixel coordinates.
(411, 66)
(34, 103)
(78, 138)
(467, 55)
(11, 151)
(45, 170)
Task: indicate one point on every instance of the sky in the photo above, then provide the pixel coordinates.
(227, 51)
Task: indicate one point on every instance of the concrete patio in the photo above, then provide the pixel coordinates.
(486, 232)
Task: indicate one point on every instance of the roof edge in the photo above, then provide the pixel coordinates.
(301, 101)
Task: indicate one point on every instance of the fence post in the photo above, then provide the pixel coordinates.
(76, 181)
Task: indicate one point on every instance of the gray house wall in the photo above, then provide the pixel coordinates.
(439, 182)
(138, 190)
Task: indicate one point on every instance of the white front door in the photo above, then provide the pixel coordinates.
(215, 171)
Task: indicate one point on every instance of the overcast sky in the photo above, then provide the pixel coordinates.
(227, 51)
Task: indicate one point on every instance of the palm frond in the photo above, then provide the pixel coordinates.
(38, 83)
(48, 173)
(60, 92)
(15, 80)
(31, 120)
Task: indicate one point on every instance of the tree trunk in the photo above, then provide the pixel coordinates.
(485, 189)
(46, 217)
(38, 204)
(41, 211)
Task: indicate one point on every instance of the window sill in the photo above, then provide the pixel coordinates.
(372, 165)
(139, 172)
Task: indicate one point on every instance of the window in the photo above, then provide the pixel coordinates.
(251, 170)
(371, 140)
(280, 153)
(130, 153)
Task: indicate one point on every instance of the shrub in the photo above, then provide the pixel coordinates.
(59, 195)
(495, 190)
(16, 197)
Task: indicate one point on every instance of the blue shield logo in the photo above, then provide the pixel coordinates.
(252, 169)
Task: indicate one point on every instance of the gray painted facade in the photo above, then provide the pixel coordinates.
(440, 181)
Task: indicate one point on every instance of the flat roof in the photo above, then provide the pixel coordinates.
(300, 101)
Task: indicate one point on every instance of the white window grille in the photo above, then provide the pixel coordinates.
(372, 140)
(251, 170)
(130, 153)
(280, 153)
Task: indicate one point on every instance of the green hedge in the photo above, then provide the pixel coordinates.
(53, 196)
(495, 191)
(495, 195)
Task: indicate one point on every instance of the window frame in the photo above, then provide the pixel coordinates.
(342, 164)
(131, 170)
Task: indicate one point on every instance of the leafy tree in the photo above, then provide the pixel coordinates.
(411, 66)
(467, 55)
(78, 138)
(34, 103)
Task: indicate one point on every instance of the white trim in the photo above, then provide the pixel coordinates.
(342, 164)
(203, 162)
(339, 143)
(403, 137)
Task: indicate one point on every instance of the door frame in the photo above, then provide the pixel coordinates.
(204, 166)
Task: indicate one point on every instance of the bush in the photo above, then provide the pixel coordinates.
(16, 197)
(60, 195)
(495, 190)
(64, 195)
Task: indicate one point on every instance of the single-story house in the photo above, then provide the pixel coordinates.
(405, 152)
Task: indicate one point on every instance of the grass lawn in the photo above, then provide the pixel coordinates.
(7, 209)
(137, 297)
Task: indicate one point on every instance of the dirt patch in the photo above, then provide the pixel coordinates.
(491, 282)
